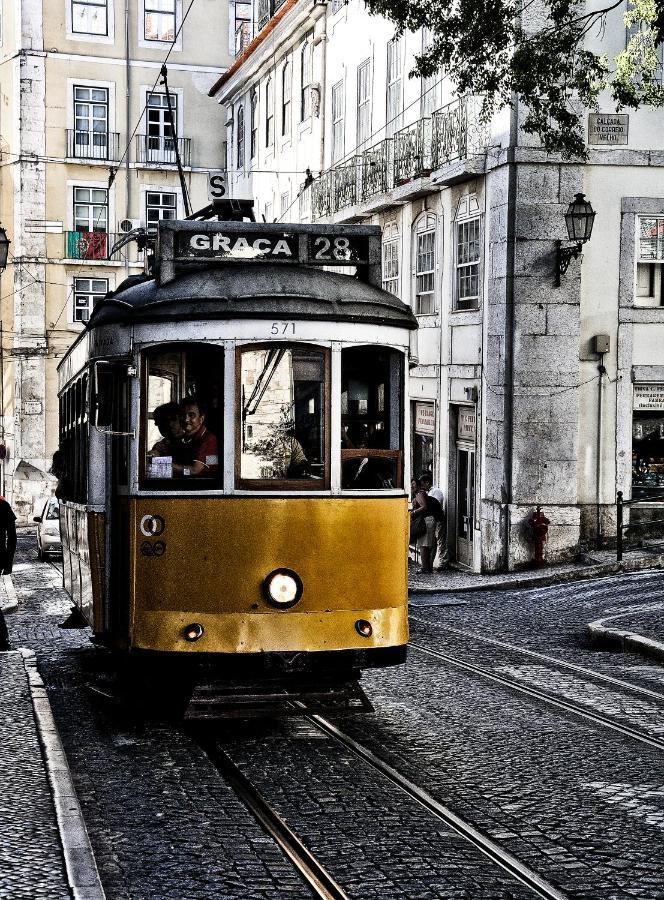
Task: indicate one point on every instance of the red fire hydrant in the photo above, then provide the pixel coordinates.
(540, 528)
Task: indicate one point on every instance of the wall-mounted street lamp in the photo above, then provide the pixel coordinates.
(4, 249)
(579, 219)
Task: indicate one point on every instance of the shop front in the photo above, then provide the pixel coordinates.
(648, 442)
(464, 494)
(424, 430)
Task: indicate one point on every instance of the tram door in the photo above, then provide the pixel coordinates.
(465, 504)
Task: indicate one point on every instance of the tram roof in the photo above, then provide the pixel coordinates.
(254, 291)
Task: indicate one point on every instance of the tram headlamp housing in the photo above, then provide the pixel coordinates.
(364, 628)
(282, 588)
(193, 632)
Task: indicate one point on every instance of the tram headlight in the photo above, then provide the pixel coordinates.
(364, 628)
(282, 588)
(193, 632)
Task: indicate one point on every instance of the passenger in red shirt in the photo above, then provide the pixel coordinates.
(199, 445)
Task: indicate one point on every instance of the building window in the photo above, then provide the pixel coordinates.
(285, 203)
(468, 254)
(87, 292)
(658, 74)
(159, 205)
(429, 86)
(306, 67)
(268, 211)
(393, 85)
(90, 209)
(423, 418)
(240, 137)
(286, 100)
(161, 134)
(648, 441)
(89, 16)
(337, 121)
(391, 252)
(425, 264)
(90, 122)
(242, 27)
(269, 113)
(304, 204)
(159, 20)
(254, 123)
(363, 102)
(650, 261)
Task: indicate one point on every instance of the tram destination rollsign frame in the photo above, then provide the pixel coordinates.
(181, 244)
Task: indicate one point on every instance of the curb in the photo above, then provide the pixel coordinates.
(583, 573)
(10, 591)
(600, 635)
(80, 865)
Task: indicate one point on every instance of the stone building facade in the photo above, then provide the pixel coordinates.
(525, 393)
(82, 99)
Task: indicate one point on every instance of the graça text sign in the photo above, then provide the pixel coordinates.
(247, 247)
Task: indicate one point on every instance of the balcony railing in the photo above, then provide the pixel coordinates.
(154, 151)
(103, 145)
(412, 152)
(345, 183)
(90, 245)
(457, 131)
(321, 196)
(242, 37)
(376, 169)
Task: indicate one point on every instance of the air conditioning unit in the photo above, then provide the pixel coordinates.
(127, 225)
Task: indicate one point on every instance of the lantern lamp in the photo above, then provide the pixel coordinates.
(579, 219)
(4, 249)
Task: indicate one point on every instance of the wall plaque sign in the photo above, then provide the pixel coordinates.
(466, 423)
(649, 396)
(610, 129)
(425, 418)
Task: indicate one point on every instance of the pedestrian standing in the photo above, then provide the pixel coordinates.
(426, 535)
(439, 555)
(7, 537)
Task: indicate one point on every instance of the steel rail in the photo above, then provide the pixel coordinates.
(313, 872)
(618, 682)
(481, 842)
(577, 710)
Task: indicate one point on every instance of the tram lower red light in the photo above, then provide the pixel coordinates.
(193, 632)
(364, 628)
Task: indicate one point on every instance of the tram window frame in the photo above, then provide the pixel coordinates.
(392, 417)
(284, 484)
(74, 422)
(178, 484)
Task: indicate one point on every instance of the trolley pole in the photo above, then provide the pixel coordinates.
(619, 526)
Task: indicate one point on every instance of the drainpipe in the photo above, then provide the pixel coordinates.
(127, 125)
(600, 403)
(322, 39)
(508, 403)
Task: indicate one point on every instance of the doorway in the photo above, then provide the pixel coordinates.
(465, 503)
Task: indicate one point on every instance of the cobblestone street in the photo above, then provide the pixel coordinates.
(577, 801)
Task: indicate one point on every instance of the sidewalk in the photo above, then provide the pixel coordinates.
(45, 851)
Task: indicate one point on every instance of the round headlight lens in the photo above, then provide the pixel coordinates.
(193, 632)
(282, 588)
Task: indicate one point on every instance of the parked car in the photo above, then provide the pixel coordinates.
(48, 528)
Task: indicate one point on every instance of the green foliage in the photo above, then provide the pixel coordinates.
(536, 50)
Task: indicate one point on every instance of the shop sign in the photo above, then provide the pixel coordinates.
(425, 418)
(32, 407)
(649, 396)
(466, 423)
(608, 128)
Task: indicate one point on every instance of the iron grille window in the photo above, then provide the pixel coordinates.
(269, 113)
(159, 205)
(306, 65)
(468, 254)
(337, 121)
(240, 137)
(425, 265)
(286, 100)
(87, 292)
(159, 20)
(363, 102)
(391, 254)
(254, 123)
(89, 17)
(393, 85)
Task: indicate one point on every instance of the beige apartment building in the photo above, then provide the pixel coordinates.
(88, 152)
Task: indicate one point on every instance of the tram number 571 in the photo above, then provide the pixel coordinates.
(282, 328)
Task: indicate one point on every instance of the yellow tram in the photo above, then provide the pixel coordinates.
(232, 431)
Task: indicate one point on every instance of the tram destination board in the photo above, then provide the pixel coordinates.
(220, 243)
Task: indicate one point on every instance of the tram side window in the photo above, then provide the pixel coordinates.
(70, 462)
(283, 424)
(371, 418)
(183, 415)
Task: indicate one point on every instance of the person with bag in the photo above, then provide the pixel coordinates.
(423, 529)
(439, 556)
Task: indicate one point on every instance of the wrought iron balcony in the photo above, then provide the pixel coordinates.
(345, 183)
(104, 145)
(321, 196)
(412, 152)
(90, 245)
(457, 131)
(159, 150)
(376, 169)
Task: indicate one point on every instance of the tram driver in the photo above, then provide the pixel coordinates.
(199, 454)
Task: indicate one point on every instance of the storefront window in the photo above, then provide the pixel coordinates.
(182, 426)
(371, 441)
(648, 442)
(424, 426)
(283, 424)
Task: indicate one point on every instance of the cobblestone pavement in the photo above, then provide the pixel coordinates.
(581, 805)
